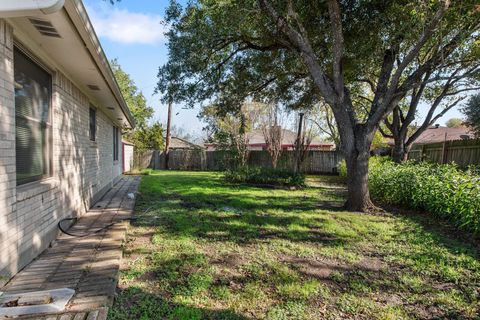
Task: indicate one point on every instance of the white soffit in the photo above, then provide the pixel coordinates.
(57, 42)
(20, 8)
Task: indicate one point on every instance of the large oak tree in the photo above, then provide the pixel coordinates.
(296, 52)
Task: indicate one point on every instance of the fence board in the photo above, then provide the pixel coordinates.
(462, 152)
(315, 161)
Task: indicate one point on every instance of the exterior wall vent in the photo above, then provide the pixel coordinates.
(93, 87)
(45, 27)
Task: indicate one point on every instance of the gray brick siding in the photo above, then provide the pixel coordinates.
(82, 169)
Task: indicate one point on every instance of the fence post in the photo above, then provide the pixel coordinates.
(444, 149)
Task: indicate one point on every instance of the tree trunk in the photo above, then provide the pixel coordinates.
(399, 152)
(296, 168)
(358, 198)
(167, 140)
(356, 158)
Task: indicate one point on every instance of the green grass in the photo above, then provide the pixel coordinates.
(207, 249)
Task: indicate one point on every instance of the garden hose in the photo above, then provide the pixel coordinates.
(105, 227)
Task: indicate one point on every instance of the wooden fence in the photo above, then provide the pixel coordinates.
(462, 152)
(195, 160)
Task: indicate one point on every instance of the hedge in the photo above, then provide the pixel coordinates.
(265, 176)
(443, 190)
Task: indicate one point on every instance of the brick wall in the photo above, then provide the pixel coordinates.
(82, 169)
(9, 233)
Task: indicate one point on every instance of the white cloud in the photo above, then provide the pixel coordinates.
(123, 26)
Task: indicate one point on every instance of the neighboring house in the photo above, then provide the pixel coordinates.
(128, 149)
(256, 141)
(445, 145)
(182, 144)
(438, 133)
(60, 133)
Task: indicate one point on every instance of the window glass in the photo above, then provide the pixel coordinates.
(32, 115)
(115, 143)
(93, 124)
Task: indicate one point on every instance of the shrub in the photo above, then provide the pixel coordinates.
(265, 176)
(342, 168)
(443, 190)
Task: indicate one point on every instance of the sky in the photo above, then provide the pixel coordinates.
(132, 32)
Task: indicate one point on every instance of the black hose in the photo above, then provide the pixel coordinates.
(60, 227)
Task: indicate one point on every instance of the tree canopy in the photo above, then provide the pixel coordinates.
(298, 52)
(144, 136)
(134, 98)
(472, 113)
(454, 122)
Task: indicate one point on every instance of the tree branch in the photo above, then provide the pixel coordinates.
(338, 48)
(383, 133)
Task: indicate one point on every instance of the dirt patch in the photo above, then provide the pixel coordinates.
(149, 276)
(321, 270)
(372, 264)
(140, 239)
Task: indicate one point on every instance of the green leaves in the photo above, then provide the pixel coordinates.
(144, 136)
(472, 112)
(443, 190)
(265, 176)
(134, 98)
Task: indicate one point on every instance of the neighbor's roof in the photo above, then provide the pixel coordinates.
(179, 143)
(256, 137)
(72, 47)
(437, 134)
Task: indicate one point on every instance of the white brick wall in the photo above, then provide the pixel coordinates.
(82, 170)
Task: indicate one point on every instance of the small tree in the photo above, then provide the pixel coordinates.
(273, 133)
(228, 132)
(472, 112)
(454, 123)
(302, 142)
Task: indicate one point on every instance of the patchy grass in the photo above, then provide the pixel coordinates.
(210, 250)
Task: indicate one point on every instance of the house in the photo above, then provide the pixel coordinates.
(62, 117)
(437, 133)
(256, 142)
(182, 144)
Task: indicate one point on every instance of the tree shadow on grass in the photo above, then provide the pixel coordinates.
(241, 220)
(134, 303)
(196, 206)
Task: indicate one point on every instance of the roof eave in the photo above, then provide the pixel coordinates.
(92, 44)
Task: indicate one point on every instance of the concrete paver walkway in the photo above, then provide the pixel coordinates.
(89, 265)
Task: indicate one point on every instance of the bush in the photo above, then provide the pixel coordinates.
(342, 168)
(265, 176)
(443, 190)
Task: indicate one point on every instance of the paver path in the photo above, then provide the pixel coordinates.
(88, 265)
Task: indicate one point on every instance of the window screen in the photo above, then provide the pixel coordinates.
(93, 123)
(32, 114)
(115, 143)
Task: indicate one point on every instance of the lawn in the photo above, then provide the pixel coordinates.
(206, 249)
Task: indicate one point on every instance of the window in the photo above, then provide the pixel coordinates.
(33, 91)
(115, 143)
(93, 123)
